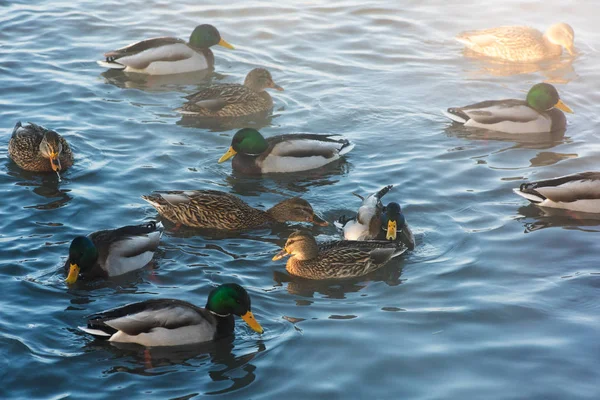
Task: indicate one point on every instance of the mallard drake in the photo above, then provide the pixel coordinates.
(112, 252)
(576, 192)
(168, 55)
(234, 100)
(213, 209)
(253, 154)
(539, 113)
(375, 221)
(38, 149)
(336, 259)
(170, 322)
(520, 43)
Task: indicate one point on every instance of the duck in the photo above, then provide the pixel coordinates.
(520, 43)
(340, 259)
(540, 112)
(234, 100)
(37, 149)
(254, 155)
(168, 55)
(576, 192)
(213, 209)
(172, 322)
(374, 221)
(112, 252)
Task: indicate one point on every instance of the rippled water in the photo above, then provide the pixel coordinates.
(498, 300)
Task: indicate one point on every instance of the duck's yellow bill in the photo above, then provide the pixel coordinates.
(252, 323)
(73, 274)
(223, 43)
(280, 255)
(391, 230)
(230, 153)
(562, 106)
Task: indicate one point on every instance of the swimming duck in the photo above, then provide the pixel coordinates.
(168, 55)
(576, 192)
(213, 209)
(520, 43)
(375, 221)
(170, 322)
(38, 149)
(253, 154)
(234, 100)
(112, 252)
(539, 113)
(337, 259)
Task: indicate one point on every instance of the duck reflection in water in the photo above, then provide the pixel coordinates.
(298, 182)
(155, 83)
(556, 218)
(226, 363)
(337, 289)
(554, 71)
(44, 185)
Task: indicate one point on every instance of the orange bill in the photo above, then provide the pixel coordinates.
(252, 323)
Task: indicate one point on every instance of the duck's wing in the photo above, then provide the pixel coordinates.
(298, 152)
(216, 97)
(367, 223)
(505, 36)
(193, 197)
(565, 189)
(345, 252)
(128, 248)
(146, 316)
(141, 54)
(509, 115)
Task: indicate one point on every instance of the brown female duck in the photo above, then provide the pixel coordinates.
(233, 100)
(212, 209)
(337, 259)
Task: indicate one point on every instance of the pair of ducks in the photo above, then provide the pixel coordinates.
(169, 322)
(169, 55)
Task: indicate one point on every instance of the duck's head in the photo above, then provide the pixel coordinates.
(82, 257)
(231, 298)
(205, 36)
(544, 97)
(260, 79)
(562, 34)
(392, 219)
(301, 245)
(295, 209)
(246, 141)
(51, 148)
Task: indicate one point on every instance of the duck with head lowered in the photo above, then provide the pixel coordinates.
(112, 252)
(171, 322)
(253, 154)
(374, 221)
(38, 149)
(538, 113)
(234, 100)
(168, 55)
(213, 209)
(337, 259)
(520, 44)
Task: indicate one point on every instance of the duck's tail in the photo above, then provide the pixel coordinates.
(383, 192)
(456, 115)
(111, 64)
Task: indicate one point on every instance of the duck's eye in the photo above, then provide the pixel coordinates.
(151, 225)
